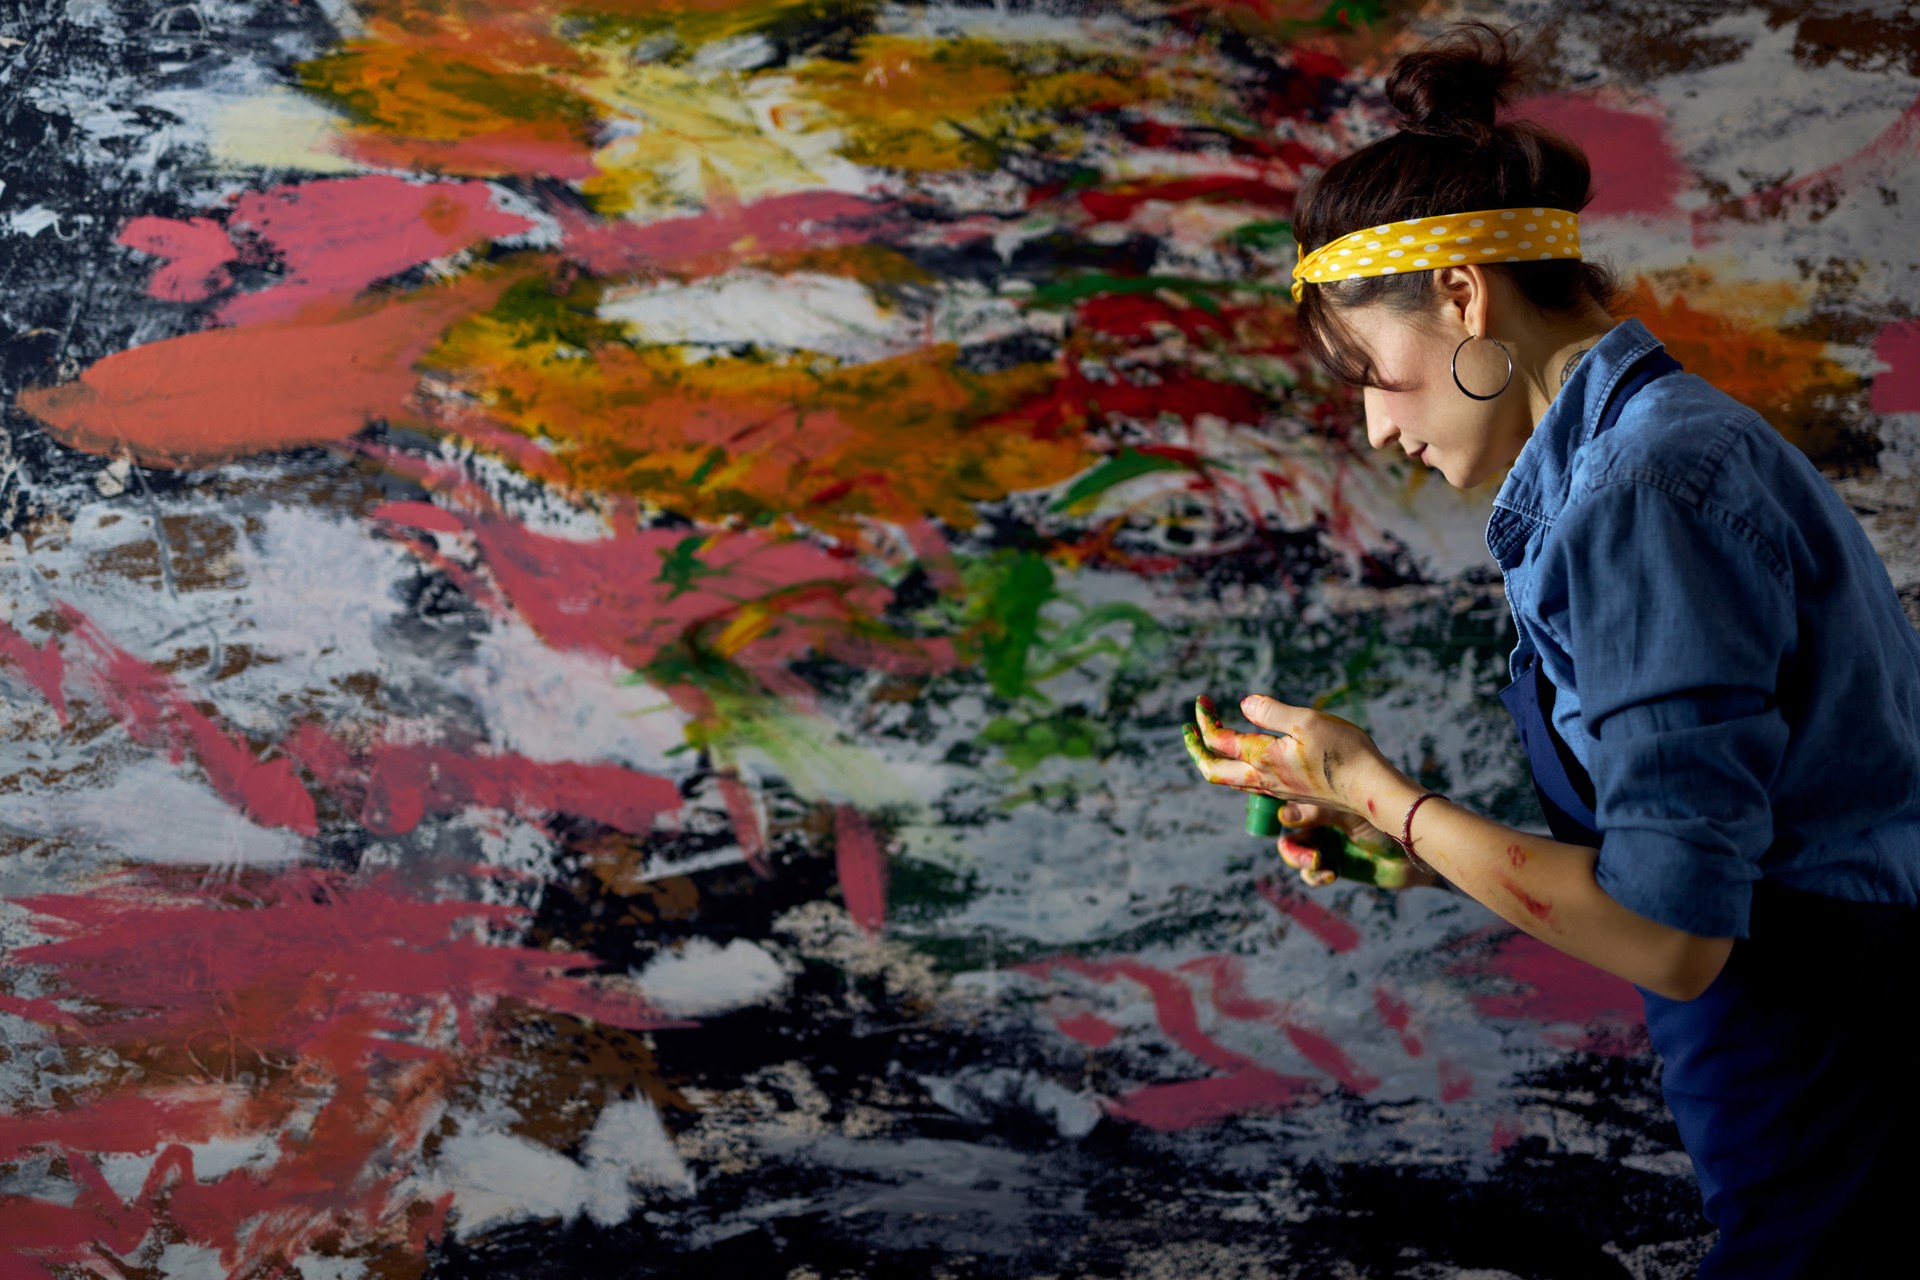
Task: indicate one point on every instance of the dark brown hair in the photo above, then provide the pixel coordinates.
(1450, 156)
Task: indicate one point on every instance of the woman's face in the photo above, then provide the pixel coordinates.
(1424, 414)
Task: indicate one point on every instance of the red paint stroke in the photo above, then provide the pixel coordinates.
(1339, 935)
(1506, 1132)
(1896, 389)
(221, 394)
(1550, 987)
(745, 820)
(338, 236)
(1516, 856)
(1455, 1081)
(41, 665)
(1088, 1028)
(761, 602)
(529, 151)
(130, 1123)
(156, 712)
(196, 252)
(1882, 161)
(1635, 166)
(862, 867)
(1539, 910)
(399, 784)
(1185, 1104)
(356, 1007)
(1398, 1015)
(1227, 986)
(724, 234)
(1116, 204)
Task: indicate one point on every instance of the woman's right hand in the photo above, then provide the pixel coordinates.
(1389, 870)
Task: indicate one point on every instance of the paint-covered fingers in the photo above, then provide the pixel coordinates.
(1306, 859)
(1324, 751)
(1214, 767)
(1219, 739)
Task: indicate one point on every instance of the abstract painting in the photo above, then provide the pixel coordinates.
(600, 594)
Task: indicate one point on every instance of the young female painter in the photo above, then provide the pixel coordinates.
(1715, 684)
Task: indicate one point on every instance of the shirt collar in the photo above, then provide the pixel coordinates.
(1536, 488)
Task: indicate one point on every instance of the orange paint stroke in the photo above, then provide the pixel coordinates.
(210, 397)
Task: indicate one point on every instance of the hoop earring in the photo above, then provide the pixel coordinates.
(1456, 368)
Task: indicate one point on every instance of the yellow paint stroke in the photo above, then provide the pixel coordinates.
(799, 437)
(913, 103)
(689, 123)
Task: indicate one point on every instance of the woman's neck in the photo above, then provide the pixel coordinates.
(1547, 360)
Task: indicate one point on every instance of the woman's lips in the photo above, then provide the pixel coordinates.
(1420, 453)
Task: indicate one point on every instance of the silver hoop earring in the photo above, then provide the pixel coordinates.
(1456, 368)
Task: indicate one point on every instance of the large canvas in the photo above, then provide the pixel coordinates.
(599, 597)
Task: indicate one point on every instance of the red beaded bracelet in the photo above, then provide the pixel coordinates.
(1406, 832)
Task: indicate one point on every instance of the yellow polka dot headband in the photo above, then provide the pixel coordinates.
(1425, 244)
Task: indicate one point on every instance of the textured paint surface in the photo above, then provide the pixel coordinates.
(600, 597)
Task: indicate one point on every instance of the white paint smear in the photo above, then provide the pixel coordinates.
(701, 979)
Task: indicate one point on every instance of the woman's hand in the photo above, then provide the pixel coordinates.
(1370, 856)
(1312, 758)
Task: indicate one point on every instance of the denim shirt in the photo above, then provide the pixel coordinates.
(1731, 663)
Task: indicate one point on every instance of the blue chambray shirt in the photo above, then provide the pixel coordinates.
(1731, 663)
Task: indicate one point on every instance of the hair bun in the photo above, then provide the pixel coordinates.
(1456, 83)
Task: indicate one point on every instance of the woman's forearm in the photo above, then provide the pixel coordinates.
(1541, 886)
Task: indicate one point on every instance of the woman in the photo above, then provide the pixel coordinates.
(1716, 686)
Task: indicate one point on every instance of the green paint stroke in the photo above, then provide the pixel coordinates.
(1072, 734)
(1128, 464)
(1093, 284)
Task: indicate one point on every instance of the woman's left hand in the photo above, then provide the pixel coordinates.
(1312, 757)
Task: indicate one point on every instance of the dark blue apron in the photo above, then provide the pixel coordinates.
(1788, 1078)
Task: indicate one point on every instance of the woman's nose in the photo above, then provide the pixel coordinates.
(1380, 432)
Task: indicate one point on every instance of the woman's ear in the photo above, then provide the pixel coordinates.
(1467, 295)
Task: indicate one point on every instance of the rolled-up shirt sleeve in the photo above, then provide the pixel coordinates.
(1678, 617)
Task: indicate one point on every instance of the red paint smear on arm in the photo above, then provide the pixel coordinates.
(1539, 910)
(1339, 935)
(862, 867)
(41, 664)
(225, 393)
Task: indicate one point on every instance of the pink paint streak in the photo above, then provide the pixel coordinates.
(765, 603)
(1398, 1015)
(1882, 162)
(1635, 167)
(1088, 1029)
(1455, 1081)
(1186, 1104)
(400, 784)
(862, 867)
(155, 712)
(41, 664)
(716, 239)
(1339, 935)
(196, 253)
(1551, 987)
(1227, 983)
(334, 237)
(1896, 389)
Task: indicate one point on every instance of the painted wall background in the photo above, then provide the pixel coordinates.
(598, 595)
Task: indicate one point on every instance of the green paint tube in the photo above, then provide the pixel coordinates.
(1263, 816)
(1382, 863)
